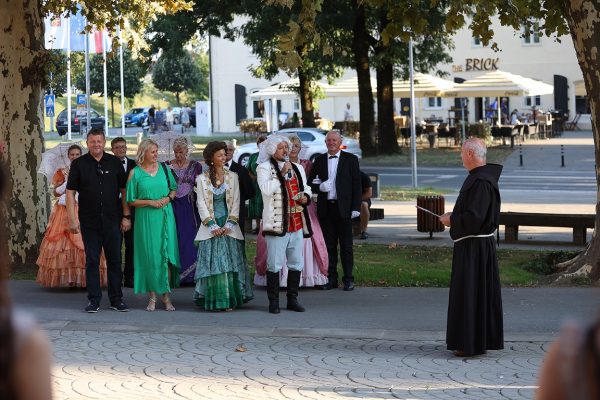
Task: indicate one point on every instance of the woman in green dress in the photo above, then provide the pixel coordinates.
(150, 189)
(255, 205)
(222, 279)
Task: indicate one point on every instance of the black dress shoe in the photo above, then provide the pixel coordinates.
(348, 286)
(329, 286)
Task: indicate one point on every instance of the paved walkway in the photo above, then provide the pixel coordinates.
(373, 343)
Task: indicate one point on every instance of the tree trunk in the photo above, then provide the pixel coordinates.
(306, 100)
(388, 143)
(360, 47)
(177, 98)
(585, 31)
(22, 62)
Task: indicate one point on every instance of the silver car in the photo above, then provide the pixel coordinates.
(312, 138)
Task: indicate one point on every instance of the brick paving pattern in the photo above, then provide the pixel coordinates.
(124, 366)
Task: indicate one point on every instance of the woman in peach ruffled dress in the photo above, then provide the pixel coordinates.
(62, 258)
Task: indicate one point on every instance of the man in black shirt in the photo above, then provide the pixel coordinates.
(99, 178)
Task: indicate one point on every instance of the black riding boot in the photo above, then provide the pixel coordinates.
(293, 282)
(273, 291)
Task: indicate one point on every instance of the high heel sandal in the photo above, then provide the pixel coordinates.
(167, 302)
(151, 304)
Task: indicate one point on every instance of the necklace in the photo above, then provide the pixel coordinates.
(219, 175)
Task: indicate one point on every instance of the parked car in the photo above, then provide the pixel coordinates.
(136, 116)
(313, 138)
(78, 118)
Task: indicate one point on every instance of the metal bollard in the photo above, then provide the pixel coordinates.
(562, 155)
(139, 137)
(520, 155)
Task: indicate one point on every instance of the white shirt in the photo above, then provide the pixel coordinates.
(124, 163)
(228, 164)
(332, 164)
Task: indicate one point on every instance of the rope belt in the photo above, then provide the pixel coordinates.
(474, 236)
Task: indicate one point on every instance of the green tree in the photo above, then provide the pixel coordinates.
(176, 72)
(133, 72)
(25, 66)
(201, 90)
(577, 18)
(57, 79)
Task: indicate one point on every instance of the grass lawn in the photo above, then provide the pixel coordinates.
(436, 157)
(399, 193)
(422, 266)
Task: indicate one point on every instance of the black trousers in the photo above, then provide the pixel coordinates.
(128, 269)
(107, 237)
(338, 230)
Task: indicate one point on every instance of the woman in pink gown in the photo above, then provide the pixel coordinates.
(316, 261)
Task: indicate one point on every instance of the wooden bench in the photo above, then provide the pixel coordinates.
(579, 223)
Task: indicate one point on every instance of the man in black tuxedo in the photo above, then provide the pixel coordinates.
(119, 148)
(335, 177)
(246, 188)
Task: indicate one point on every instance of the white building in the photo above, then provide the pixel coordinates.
(535, 57)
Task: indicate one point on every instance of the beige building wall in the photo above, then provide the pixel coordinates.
(230, 62)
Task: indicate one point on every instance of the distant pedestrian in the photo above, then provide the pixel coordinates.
(475, 322)
(119, 148)
(169, 118)
(100, 179)
(365, 205)
(152, 118)
(185, 119)
(150, 189)
(348, 113)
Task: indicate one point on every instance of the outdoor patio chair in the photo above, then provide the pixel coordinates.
(572, 125)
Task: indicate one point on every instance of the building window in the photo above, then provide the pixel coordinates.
(434, 102)
(582, 105)
(531, 101)
(531, 33)
(476, 42)
(296, 104)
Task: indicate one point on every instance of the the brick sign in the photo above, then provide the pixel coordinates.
(477, 64)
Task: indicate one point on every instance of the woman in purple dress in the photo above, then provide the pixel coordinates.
(184, 207)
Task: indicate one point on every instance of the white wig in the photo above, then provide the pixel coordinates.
(267, 148)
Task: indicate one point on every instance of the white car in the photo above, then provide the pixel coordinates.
(312, 138)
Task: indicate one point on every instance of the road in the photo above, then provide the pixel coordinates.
(452, 178)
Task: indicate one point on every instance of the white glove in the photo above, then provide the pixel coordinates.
(62, 188)
(213, 227)
(355, 214)
(62, 200)
(325, 186)
(229, 225)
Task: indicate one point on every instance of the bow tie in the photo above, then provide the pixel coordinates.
(330, 157)
(124, 162)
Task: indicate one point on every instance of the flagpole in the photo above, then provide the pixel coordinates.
(88, 122)
(122, 83)
(105, 82)
(413, 131)
(69, 78)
